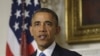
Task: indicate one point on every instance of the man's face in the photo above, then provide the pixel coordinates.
(44, 29)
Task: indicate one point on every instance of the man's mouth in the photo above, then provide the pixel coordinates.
(42, 36)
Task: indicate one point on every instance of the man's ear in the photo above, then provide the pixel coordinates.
(30, 28)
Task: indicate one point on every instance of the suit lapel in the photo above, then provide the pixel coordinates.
(56, 51)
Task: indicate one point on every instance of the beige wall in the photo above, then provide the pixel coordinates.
(4, 17)
(5, 7)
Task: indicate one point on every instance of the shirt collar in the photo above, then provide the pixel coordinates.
(48, 51)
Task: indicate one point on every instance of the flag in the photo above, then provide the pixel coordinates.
(19, 38)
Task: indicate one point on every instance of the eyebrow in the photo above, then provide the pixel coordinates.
(48, 21)
(36, 22)
(45, 22)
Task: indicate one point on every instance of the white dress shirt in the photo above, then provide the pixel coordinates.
(48, 51)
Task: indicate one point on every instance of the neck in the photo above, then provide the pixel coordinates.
(43, 47)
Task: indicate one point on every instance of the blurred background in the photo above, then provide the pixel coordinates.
(86, 49)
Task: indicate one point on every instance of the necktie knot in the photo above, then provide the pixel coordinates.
(42, 54)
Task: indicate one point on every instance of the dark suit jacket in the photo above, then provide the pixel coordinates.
(59, 51)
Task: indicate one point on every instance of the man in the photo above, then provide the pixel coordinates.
(44, 28)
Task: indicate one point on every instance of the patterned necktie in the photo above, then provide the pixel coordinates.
(42, 54)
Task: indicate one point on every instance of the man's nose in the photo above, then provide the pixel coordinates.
(43, 28)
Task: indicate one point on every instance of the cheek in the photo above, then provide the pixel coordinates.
(51, 31)
(34, 32)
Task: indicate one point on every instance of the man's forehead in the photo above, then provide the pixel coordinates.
(47, 17)
(40, 20)
(43, 19)
(42, 13)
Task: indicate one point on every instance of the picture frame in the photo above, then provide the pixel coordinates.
(77, 31)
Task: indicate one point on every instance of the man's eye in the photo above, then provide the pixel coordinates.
(49, 24)
(36, 24)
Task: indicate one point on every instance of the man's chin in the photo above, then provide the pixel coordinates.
(43, 45)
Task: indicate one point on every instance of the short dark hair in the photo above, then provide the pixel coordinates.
(48, 11)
